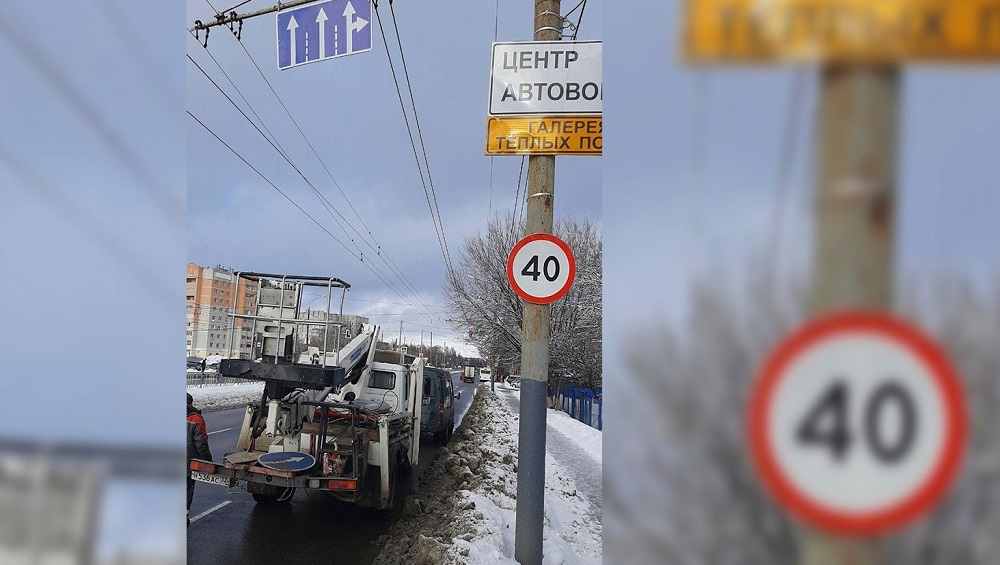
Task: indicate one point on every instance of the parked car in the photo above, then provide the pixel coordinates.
(437, 415)
(484, 375)
(194, 363)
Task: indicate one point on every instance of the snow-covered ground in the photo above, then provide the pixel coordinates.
(572, 448)
(221, 397)
(465, 510)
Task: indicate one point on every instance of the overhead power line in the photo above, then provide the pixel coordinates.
(515, 222)
(87, 224)
(583, 6)
(171, 207)
(420, 135)
(272, 143)
(300, 208)
(284, 154)
(375, 246)
(230, 17)
(784, 167)
(435, 220)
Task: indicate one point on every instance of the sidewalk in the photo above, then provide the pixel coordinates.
(579, 454)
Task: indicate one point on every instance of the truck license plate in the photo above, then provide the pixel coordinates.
(213, 479)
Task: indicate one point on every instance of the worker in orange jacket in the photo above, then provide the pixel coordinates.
(197, 444)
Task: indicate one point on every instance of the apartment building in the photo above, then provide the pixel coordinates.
(212, 293)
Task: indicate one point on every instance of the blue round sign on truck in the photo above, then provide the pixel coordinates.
(293, 461)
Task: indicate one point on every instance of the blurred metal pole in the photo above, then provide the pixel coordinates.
(535, 341)
(855, 228)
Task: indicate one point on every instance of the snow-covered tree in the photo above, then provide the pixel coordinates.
(482, 303)
(691, 495)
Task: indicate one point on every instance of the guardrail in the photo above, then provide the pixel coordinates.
(211, 378)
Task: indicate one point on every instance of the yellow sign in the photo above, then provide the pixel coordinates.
(876, 31)
(544, 135)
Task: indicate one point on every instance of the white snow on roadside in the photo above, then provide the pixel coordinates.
(570, 536)
(225, 396)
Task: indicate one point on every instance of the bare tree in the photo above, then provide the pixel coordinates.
(482, 302)
(698, 500)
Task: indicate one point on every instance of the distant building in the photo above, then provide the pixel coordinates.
(48, 510)
(211, 296)
(350, 329)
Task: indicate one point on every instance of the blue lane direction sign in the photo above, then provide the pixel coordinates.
(293, 461)
(323, 30)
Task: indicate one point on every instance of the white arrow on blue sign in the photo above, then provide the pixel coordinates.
(323, 30)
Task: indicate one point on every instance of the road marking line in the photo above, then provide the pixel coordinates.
(219, 431)
(210, 510)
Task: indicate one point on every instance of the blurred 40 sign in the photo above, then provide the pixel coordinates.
(541, 268)
(857, 423)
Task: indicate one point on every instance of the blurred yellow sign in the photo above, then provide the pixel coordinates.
(876, 31)
(544, 135)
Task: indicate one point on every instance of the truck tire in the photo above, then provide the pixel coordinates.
(441, 437)
(393, 467)
(373, 486)
(404, 463)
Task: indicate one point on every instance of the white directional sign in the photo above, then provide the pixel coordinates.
(546, 77)
(541, 268)
(857, 423)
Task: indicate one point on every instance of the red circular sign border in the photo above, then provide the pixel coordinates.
(948, 384)
(569, 280)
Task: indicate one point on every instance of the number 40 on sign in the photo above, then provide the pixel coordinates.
(857, 423)
(541, 268)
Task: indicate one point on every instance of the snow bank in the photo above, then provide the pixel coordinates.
(465, 510)
(221, 397)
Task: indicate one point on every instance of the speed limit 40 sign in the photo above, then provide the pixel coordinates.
(541, 268)
(857, 423)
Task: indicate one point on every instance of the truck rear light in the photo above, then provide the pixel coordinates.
(202, 466)
(333, 484)
(441, 410)
(342, 484)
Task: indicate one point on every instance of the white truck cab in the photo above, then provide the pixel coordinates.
(385, 388)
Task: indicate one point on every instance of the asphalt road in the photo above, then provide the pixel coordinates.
(229, 527)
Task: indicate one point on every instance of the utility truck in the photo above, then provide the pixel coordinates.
(345, 423)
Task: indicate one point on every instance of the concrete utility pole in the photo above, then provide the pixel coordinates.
(855, 228)
(535, 341)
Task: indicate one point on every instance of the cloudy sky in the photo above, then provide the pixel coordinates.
(350, 112)
(692, 167)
